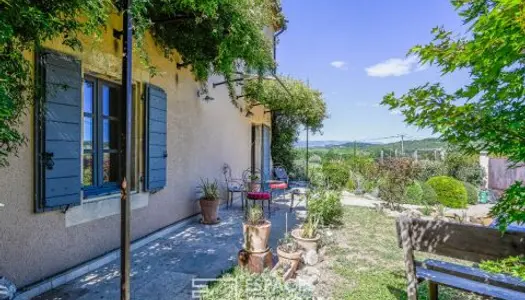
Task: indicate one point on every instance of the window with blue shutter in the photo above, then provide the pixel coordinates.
(58, 132)
(155, 151)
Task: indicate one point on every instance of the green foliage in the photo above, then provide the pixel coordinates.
(24, 24)
(464, 168)
(514, 266)
(511, 206)
(472, 193)
(414, 193)
(297, 105)
(212, 36)
(431, 168)
(254, 215)
(486, 113)
(310, 227)
(429, 195)
(327, 206)
(351, 185)
(397, 174)
(336, 174)
(209, 190)
(450, 192)
(241, 284)
(316, 177)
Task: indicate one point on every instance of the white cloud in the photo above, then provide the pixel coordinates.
(395, 67)
(338, 64)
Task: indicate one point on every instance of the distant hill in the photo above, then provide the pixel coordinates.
(318, 144)
(409, 146)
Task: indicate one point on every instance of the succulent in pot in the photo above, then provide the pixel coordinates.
(308, 236)
(256, 230)
(288, 250)
(209, 200)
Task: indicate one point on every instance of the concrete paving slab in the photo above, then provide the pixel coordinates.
(164, 268)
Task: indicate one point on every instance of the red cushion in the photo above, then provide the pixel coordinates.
(258, 195)
(278, 186)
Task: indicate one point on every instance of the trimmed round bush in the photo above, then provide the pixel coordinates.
(472, 193)
(450, 192)
(429, 195)
(414, 194)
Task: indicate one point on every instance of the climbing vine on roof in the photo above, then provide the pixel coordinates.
(211, 36)
(289, 97)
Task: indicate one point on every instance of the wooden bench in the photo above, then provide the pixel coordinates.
(466, 242)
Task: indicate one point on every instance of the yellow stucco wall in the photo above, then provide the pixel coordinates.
(201, 138)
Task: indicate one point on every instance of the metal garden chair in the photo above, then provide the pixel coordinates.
(233, 185)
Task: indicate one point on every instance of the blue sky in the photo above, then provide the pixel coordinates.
(354, 51)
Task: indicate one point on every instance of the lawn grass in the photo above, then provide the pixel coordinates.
(367, 262)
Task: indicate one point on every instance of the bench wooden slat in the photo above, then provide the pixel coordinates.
(464, 241)
(476, 274)
(468, 285)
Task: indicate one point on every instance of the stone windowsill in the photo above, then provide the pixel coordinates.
(101, 207)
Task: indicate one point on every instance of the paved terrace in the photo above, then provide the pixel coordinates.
(164, 268)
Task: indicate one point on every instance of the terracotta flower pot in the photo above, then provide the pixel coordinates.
(306, 244)
(209, 210)
(256, 237)
(288, 257)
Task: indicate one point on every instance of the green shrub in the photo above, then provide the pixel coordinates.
(473, 175)
(327, 206)
(514, 265)
(240, 284)
(464, 168)
(430, 168)
(336, 174)
(351, 185)
(472, 193)
(368, 185)
(414, 194)
(450, 192)
(396, 175)
(429, 195)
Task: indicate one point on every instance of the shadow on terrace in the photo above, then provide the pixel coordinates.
(164, 268)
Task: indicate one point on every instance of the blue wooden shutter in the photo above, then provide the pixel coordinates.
(155, 146)
(57, 136)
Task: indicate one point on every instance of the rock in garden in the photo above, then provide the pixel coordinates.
(307, 277)
(7, 289)
(311, 257)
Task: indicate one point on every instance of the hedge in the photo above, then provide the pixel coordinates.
(450, 192)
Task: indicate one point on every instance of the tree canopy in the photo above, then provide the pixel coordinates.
(211, 36)
(488, 112)
(304, 103)
(292, 107)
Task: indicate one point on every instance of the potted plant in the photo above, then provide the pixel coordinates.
(308, 236)
(288, 250)
(254, 184)
(256, 230)
(209, 201)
